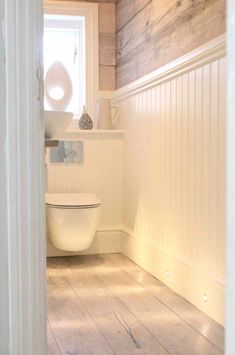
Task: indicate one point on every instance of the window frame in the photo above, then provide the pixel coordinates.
(75, 23)
(90, 12)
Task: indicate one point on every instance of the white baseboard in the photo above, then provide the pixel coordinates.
(200, 288)
(105, 242)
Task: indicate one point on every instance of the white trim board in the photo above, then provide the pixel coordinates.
(171, 271)
(212, 50)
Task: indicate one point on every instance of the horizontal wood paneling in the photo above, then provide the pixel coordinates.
(174, 168)
(127, 10)
(107, 50)
(107, 43)
(153, 33)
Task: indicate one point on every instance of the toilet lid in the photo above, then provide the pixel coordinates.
(72, 200)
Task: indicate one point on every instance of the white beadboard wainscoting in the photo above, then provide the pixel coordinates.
(101, 173)
(174, 175)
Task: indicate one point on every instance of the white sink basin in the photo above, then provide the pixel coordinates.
(56, 122)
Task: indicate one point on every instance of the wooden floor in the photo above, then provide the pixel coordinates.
(108, 305)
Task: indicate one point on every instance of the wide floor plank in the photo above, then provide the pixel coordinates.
(175, 335)
(74, 330)
(185, 310)
(120, 327)
(52, 347)
(108, 305)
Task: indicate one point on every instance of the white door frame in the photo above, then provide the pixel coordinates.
(22, 239)
(230, 200)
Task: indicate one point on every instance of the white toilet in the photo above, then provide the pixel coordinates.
(72, 220)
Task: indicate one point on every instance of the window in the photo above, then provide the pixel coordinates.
(64, 42)
(71, 38)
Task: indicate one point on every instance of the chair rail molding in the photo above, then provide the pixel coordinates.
(212, 50)
(23, 326)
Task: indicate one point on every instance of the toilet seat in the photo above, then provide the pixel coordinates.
(72, 200)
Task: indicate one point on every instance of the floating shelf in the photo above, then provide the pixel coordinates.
(97, 131)
(83, 134)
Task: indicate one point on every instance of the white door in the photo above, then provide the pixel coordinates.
(22, 237)
(230, 294)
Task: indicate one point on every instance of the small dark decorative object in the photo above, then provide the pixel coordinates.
(85, 121)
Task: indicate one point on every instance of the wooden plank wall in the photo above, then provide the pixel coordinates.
(151, 33)
(107, 43)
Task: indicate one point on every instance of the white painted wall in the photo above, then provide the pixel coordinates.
(174, 179)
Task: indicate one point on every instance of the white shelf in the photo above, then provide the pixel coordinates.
(90, 134)
(95, 131)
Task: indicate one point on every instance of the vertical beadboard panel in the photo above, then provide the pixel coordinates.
(174, 153)
(221, 151)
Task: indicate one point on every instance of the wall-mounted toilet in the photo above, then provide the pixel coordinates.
(72, 220)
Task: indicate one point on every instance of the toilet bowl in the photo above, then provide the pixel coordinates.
(72, 220)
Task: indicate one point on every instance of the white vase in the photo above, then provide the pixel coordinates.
(104, 114)
(58, 87)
